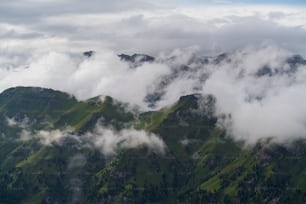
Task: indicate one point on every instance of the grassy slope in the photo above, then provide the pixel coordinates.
(211, 168)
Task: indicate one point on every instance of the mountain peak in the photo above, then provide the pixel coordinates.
(89, 53)
(136, 58)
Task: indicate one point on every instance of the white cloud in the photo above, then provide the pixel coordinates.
(148, 29)
(109, 141)
(21, 123)
(104, 74)
(48, 138)
(46, 43)
(106, 140)
(256, 106)
(260, 107)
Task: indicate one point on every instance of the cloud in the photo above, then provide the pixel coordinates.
(143, 26)
(104, 74)
(108, 141)
(20, 123)
(26, 11)
(48, 138)
(259, 90)
(256, 107)
(43, 49)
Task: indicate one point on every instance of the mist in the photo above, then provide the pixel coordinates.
(266, 106)
(259, 90)
(104, 139)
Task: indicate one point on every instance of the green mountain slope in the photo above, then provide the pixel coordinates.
(199, 165)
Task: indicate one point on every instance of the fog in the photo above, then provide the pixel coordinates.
(45, 49)
(259, 92)
(104, 139)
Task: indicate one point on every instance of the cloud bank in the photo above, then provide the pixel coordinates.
(103, 74)
(142, 26)
(260, 95)
(259, 91)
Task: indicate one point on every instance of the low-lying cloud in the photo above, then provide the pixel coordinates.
(259, 104)
(108, 141)
(103, 74)
(13, 122)
(259, 90)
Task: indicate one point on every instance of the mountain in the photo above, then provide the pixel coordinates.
(56, 149)
(136, 58)
(89, 53)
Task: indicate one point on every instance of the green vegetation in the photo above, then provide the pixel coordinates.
(200, 164)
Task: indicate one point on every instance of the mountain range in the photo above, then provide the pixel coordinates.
(56, 149)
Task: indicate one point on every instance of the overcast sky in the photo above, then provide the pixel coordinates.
(146, 26)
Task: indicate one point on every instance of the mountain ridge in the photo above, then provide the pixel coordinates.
(200, 162)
